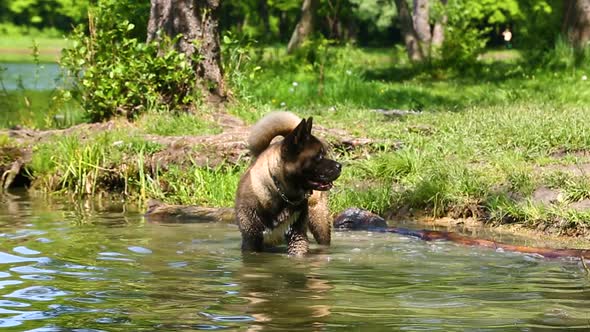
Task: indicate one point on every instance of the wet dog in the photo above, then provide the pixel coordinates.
(284, 191)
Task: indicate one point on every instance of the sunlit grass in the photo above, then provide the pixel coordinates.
(169, 124)
(20, 48)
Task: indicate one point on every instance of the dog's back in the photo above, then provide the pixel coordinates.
(270, 126)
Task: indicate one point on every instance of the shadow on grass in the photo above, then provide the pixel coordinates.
(427, 87)
(480, 72)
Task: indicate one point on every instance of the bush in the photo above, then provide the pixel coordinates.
(113, 73)
(464, 41)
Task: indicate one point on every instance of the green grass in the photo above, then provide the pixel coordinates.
(167, 124)
(107, 161)
(118, 162)
(38, 109)
(202, 186)
(484, 137)
(20, 48)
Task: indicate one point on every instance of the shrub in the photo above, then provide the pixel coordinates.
(113, 73)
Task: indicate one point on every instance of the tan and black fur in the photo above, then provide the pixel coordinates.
(284, 191)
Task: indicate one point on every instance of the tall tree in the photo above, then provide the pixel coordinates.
(576, 22)
(420, 19)
(305, 26)
(438, 31)
(197, 21)
(416, 30)
(408, 31)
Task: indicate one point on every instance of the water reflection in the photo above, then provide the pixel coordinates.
(65, 268)
(279, 291)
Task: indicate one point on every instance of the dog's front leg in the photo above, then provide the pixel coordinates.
(297, 236)
(320, 222)
(252, 230)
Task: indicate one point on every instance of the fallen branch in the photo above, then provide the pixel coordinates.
(357, 219)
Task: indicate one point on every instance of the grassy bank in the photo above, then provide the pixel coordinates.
(497, 140)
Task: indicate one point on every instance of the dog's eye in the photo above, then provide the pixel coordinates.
(319, 157)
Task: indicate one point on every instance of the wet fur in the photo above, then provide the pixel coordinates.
(263, 216)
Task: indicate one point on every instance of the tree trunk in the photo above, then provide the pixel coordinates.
(438, 32)
(197, 21)
(421, 24)
(305, 26)
(409, 34)
(577, 22)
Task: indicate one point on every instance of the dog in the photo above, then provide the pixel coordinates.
(283, 193)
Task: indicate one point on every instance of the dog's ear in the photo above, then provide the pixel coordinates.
(309, 124)
(293, 143)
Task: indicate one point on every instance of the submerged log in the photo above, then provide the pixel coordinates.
(159, 212)
(357, 219)
(353, 219)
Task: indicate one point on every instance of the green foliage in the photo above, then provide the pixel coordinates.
(60, 14)
(490, 11)
(464, 40)
(4, 140)
(562, 56)
(379, 12)
(114, 73)
(463, 44)
(239, 62)
(539, 28)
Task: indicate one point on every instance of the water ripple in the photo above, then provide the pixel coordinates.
(6, 258)
(7, 303)
(55, 310)
(30, 270)
(52, 328)
(38, 293)
(139, 250)
(25, 251)
(223, 318)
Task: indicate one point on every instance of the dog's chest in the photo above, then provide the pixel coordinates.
(275, 230)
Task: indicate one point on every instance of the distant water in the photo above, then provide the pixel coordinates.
(29, 76)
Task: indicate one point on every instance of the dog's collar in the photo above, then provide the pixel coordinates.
(285, 198)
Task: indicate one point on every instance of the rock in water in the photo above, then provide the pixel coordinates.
(358, 219)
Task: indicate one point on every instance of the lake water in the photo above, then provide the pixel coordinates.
(29, 76)
(65, 267)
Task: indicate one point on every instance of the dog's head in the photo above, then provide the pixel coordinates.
(304, 159)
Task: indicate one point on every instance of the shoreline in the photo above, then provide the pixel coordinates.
(223, 152)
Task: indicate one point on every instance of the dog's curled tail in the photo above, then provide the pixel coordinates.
(270, 126)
